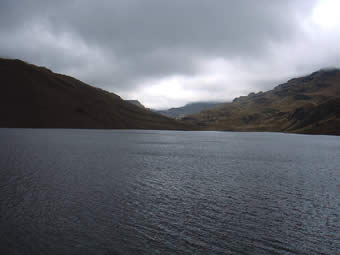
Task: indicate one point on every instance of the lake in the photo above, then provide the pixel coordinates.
(167, 192)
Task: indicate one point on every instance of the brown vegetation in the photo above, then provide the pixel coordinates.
(309, 104)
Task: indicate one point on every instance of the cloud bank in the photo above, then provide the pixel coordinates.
(168, 53)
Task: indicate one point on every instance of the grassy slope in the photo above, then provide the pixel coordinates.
(308, 104)
(35, 97)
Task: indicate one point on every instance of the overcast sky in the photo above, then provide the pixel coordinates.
(167, 53)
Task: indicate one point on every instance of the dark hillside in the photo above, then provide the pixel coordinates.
(35, 97)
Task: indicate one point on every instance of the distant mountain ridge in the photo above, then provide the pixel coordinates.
(309, 104)
(35, 97)
(137, 103)
(188, 109)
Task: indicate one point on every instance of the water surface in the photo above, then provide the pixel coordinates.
(163, 192)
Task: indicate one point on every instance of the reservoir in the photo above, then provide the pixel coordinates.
(66, 191)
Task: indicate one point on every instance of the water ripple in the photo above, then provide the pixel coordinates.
(160, 192)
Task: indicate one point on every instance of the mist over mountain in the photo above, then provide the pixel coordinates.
(35, 97)
(191, 108)
(169, 127)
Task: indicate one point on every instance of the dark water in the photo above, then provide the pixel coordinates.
(159, 192)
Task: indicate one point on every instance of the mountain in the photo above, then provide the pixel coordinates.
(35, 97)
(136, 102)
(188, 109)
(309, 104)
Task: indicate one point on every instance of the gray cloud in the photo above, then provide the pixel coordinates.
(132, 46)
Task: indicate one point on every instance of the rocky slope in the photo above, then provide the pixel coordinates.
(35, 97)
(309, 104)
